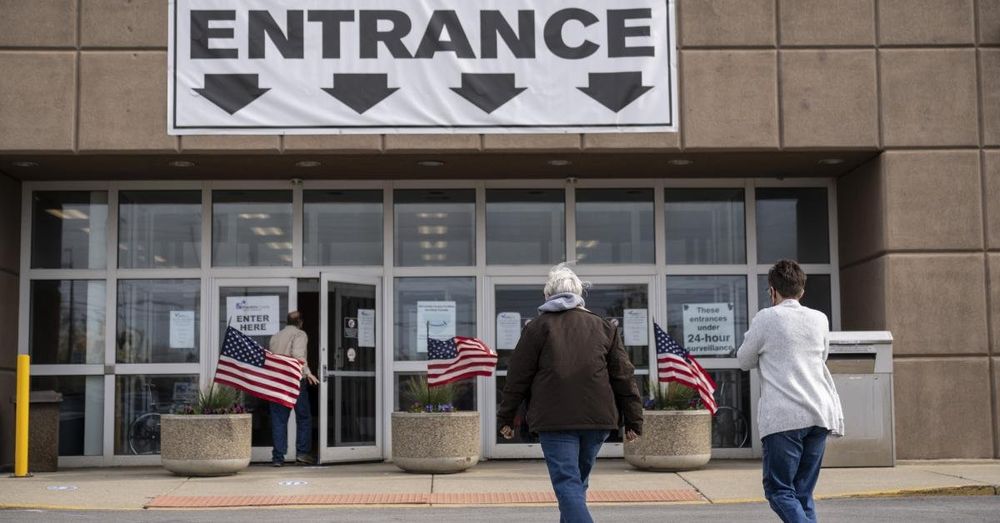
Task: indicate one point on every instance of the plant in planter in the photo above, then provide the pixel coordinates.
(431, 436)
(210, 437)
(677, 431)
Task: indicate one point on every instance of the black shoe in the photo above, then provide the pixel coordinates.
(304, 459)
(277, 463)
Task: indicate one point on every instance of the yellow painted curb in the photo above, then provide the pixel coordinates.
(962, 490)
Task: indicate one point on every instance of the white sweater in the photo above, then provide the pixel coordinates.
(790, 343)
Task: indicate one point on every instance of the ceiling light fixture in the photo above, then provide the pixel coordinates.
(306, 164)
(680, 162)
(559, 163)
(183, 164)
(430, 163)
(831, 161)
(25, 164)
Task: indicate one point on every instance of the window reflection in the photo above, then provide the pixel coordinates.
(342, 228)
(67, 321)
(423, 301)
(705, 226)
(69, 229)
(793, 224)
(81, 412)
(435, 227)
(817, 296)
(251, 228)
(614, 225)
(158, 321)
(140, 400)
(707, 314)
(525, 226)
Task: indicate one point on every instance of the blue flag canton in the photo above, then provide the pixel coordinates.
(242, 348)
(441, 349)
(666, 344)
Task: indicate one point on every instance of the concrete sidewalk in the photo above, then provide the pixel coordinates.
(489, 483)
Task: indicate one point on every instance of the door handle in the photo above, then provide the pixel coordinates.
(325, 372)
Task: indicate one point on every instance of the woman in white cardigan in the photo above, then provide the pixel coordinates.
(798, 405)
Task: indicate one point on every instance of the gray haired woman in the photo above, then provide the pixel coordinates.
(571, 367)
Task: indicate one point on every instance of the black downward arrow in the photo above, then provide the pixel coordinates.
(360, 91)
(488, 91)
(231, 92)
(615, 90)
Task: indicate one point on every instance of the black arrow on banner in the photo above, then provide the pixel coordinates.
(488, 91)
(360, 91)
(231, 92)
(615, 90)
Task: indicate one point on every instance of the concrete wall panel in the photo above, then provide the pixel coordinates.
(531, 142)
(862, 296)
(38, 23)
(908, 22)
(246, 143)
(123, 102)
(37, 100)
(822, 22)
(343, 143)
(617, 142)
(727, 23)
(929, 97)
(993, 268)
(942, 407)
(991, 167)
(989, 21)
(989, 63)
(861, 212)
(936, 303)
(432, 142)
(123, 23)
(729, 99)
(829, 98)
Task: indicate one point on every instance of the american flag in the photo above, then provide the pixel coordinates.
(247, 366)
(676, 364)
(457, 359)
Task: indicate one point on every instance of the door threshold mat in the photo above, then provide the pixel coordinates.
(439, 498)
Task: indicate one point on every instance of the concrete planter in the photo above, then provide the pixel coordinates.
(435, 443)
(205, 444)
(672, 440)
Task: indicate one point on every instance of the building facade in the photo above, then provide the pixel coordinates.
(861, 137)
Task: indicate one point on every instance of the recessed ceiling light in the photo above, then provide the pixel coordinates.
(183, 164)
(559, 163)
(430, 163)
(25, 164)
(831, 161)
(308, 163)
(680, 162)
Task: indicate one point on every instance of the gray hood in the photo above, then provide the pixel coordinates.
(562, 302)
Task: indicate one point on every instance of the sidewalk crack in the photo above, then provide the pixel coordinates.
(956, 476)
(696, 489)
(169, 492)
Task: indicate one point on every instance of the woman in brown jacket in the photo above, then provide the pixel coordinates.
(571, 367)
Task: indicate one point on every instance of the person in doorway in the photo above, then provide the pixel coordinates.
(292, 341)
(571, 367)
(799, 405)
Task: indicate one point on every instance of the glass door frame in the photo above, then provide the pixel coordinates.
(328, 454)
(211, 351)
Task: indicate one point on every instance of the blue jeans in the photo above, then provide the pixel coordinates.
(303, 426)
(570, 456)
(791, 469)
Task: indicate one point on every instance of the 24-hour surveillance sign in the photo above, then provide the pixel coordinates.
(427, 66)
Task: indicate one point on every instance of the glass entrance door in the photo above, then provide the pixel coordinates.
(514, 302)
(350, 357)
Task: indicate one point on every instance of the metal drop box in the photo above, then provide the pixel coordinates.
(861, 365)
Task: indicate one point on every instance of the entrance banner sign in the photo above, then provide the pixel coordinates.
(435, 319)
(433, 66)
(253, 315)
(508, 330)
(366, 328)
(636, 329)
(709, 328)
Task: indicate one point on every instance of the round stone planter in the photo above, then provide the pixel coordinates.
(435, 443)
(205, 444)
(672, 440)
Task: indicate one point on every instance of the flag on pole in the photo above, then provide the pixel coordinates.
(246, 366)
(676, 364)
(457, 359)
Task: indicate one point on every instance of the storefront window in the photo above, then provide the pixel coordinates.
(342, 228)
(67, 322)
(627, 306)
(81, 413)
(465, 392)
(159, 321)
(140, 400)
(435, 227)
(614, 225)
(793, 224)
(525, 226)
(159, 229)
(69, 230)
(438, 308)
(707, 315)
(732, 423)
(705, 226)
(817, 295)
(251, 228)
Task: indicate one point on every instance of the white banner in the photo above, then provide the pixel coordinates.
(429, 66)
(253, 315)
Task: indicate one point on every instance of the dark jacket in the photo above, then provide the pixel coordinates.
(572, 368)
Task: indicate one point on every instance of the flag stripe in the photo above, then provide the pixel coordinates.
(674, 364)
(265, 372)
(287, 401)
(245, 365)
(263, 385)
(457, 359)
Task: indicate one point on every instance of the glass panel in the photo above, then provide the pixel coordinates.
(67, 321)
(610, 301)
(705, 226)
(707, 315)
(817, 295)
(139, 401)
(261, 430)
(446, 305)
(793, 224)
(525, 226)
(342, 228)
(159, 229)
(513, 302)
(251, 228)
(351, 326)
(81, 413)
(465, 399)
(731, 425)
(614, 225)
(69, 230)
(159, 321)
(435, 227)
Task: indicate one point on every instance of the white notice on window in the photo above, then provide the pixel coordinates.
(636, 327)
(253, 315)
(366, 328)
(181, 329)
(709, 328)
(435, 319)
(508, 330)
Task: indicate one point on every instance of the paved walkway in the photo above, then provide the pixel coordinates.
(489, 483)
